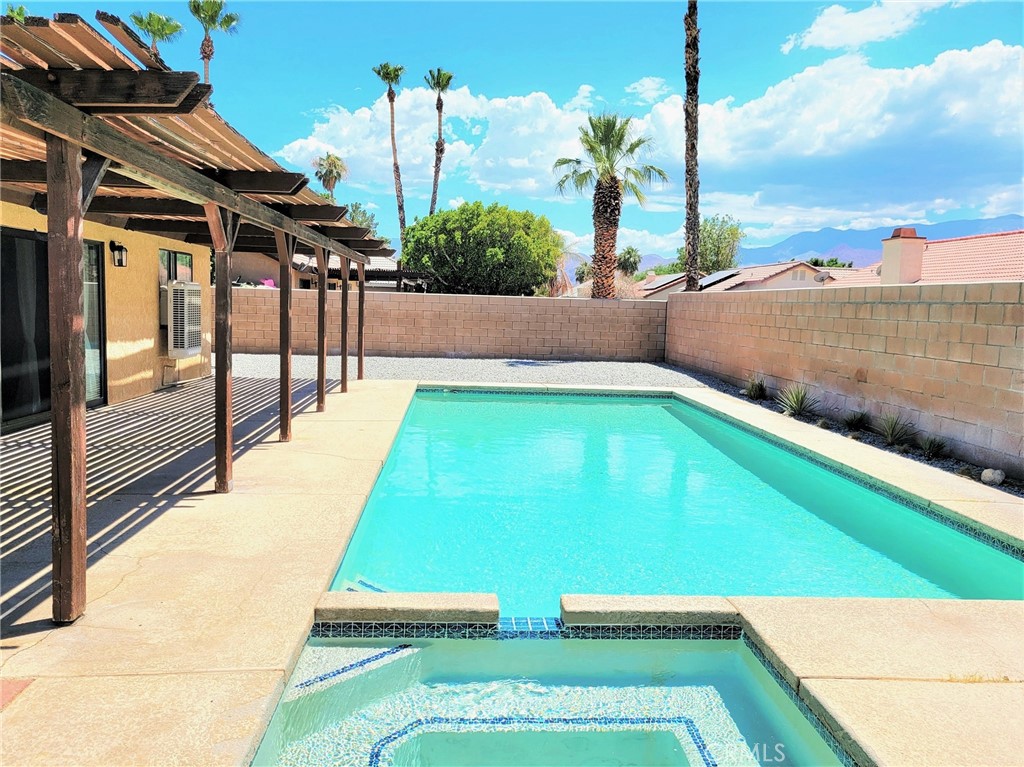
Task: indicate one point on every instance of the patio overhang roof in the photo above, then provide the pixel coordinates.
(90, 131)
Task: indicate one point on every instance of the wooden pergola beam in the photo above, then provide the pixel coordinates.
(195, 98)
(223, 230)
(132, 43)
(321, 330)
(345, 267)
(23, 105)
(285, 253)
(260, 181)
(114, 89)
(312, 212)
(343, 232)
(65, 233)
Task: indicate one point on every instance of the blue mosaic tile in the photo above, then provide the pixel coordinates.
(640, 632)
(837, 748)
(403, 630)
(665, 396)
(692, 730)
(352, 666)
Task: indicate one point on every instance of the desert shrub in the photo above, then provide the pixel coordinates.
(796, 400)
(895, 429)
(823, 423)
(933, 447)
(756, 387)
(858, 420)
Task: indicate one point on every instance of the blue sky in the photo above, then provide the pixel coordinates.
(812, 115)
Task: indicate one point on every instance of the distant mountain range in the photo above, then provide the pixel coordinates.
(864, 246)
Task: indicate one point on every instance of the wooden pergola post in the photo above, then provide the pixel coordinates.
(64, 223)
(360, 346)
(285, 250)
(345, 267)
(321, 329)
(223, 230)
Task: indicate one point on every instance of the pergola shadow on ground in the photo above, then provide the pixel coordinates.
(145, 456)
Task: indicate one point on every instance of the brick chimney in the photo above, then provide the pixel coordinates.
(902, 255)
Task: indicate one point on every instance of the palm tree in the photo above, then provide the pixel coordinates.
(690, 110)
(330, 169)
(609, 168)
(17, 12)
(439, 81)
(158, 27)
(629, 261)
(391, 75)
(210, 14)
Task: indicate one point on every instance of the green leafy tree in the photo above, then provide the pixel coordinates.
(832, 262)
(720, 238)
(329, 170)
(211, 16)
(391, 76)
(17, 12)
(691, 109)
(583, 272)
(493, 251)
(158, 27)
(439, 81)
(360, 216)
(629, 261)
(609, 168)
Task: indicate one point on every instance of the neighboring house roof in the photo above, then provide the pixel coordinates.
(716, 277)
(625, 287)
(660, 281)
(978, 258)
(751, 276)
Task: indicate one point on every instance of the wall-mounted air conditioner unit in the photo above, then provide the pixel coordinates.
(185, 319)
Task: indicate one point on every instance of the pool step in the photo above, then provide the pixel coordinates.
(361, 584)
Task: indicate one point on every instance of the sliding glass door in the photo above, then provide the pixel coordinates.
(25, 340)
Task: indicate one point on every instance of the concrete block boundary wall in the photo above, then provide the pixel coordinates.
(434, 325)
(948, 357)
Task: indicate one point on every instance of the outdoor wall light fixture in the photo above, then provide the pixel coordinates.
(119, 253)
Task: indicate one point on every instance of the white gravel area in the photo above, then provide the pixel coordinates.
(477, 370)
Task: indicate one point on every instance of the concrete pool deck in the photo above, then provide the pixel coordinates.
(195, 619)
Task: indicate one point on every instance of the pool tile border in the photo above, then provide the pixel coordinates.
(553, 628)
(905, 499)
(463, 723)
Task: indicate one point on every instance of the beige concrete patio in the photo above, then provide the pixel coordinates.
(199, 603)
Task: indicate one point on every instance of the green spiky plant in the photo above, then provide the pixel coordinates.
(858, 420)
(438, 81)
(932, 447)
(756, 389)
(158, 28)
(895, 429)
(609, 167)
(17, 12)
(796, 400)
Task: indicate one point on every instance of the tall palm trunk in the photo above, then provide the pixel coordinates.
(398, 174)
(438, 154)
(206, 53)
(607, 211)
(691, 106)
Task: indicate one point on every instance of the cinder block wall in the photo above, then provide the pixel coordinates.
(425, 325)
(947, 356)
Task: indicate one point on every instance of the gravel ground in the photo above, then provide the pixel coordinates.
(567, 372)
(478, 370)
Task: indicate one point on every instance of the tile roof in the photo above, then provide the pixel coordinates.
(978, 258)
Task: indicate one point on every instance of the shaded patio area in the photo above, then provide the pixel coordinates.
(155, 450)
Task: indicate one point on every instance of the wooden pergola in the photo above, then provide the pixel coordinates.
(91, 130)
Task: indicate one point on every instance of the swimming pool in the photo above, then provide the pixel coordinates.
(537, 702)
(535, 495)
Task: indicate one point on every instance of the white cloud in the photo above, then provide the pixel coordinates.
(846, 104)
(456, 202)
(647, 90)
(837, 27)
(1009, 199)
(582, 99)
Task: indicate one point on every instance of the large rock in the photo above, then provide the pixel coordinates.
(993, 476)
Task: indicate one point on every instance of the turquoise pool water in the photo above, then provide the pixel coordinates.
(536, 702)
(532, 497)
